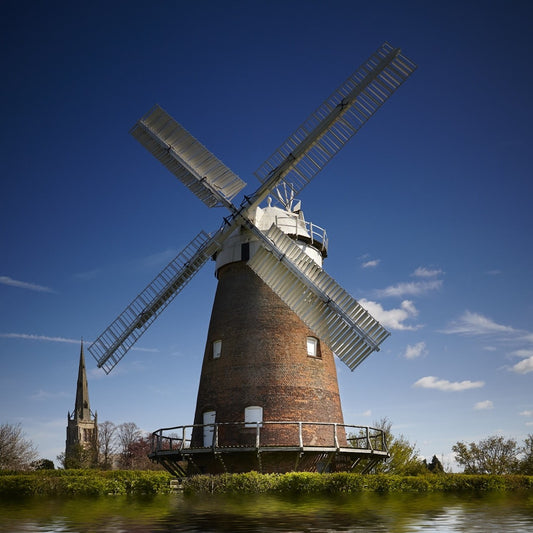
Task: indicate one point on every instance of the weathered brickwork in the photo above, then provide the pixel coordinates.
(264, 362)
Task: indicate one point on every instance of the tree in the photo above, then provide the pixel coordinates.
(493, 455)
(16, 452)
(139, 451)
(79, 456)
(106, 433)
(43, 464)
(526, 462)
(404, 458)
(435, 467)
(127, 434)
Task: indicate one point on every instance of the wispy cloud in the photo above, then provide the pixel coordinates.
(6, 280)
(415, 350)
(392, 318)
(47, 395)
(476, 324)
(423, 272)
(432, 382)
(371, 263)
(410, 288)
(31, 337)
(483, 406)
(157, 259)
(526, 413)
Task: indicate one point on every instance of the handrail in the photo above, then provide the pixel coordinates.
(179, 438)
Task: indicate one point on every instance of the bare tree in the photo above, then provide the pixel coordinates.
(127, 434)
(106, 432)
(16, 452)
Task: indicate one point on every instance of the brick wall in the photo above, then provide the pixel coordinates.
(263, 360)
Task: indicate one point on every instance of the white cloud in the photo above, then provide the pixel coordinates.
(6, 280)
(526, 413)
(432, 382)
(415, 350)
(371, 264)
(391, 318)
(476, 324)
(31, 337)
(529, 423)
(522, 353)
(423, 272)
(368, 412)
(524, 367)
(412, 288)
(481, 406)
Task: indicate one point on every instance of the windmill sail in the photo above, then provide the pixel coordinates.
(326, 131)
(193, 164)
(119, 337)
(323, 305)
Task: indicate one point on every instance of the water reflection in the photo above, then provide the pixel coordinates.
(266, 514)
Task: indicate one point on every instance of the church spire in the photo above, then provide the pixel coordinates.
(82, 408)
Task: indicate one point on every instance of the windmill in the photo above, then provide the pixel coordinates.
(268, 395)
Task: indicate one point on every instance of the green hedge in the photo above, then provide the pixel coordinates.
(84, 483)
(94, 483)
(345, 483)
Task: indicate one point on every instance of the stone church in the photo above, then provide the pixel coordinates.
(82, 424)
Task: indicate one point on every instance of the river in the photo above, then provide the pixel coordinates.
(368, 512)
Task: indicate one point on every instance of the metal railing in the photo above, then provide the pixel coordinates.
(316, 235)
(282, 434)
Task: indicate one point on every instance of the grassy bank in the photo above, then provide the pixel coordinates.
(94, 483)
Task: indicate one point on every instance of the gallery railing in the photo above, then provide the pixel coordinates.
(264, 435)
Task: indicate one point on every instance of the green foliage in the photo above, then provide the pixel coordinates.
(493, 455)
(300, 483)
(43, 464)
(66, 483)
(84, 483)
(526, 462)
(404, 460)
(435, 467)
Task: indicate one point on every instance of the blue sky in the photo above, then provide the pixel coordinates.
(428, 208)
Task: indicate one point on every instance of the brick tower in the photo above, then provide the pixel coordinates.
(81, 447)
(262, 364)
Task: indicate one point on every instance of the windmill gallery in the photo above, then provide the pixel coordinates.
(268, 397)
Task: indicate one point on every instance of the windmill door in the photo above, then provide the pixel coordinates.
(209, 427)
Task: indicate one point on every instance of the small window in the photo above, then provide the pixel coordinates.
(245, 251)
(313, 347)
(253, 415)
(217, 349)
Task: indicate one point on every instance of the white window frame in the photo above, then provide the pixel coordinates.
(253, 415)
(312, 347)
(208, 419)
(217, 348)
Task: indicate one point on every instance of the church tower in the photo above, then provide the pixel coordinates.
(81, 447)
